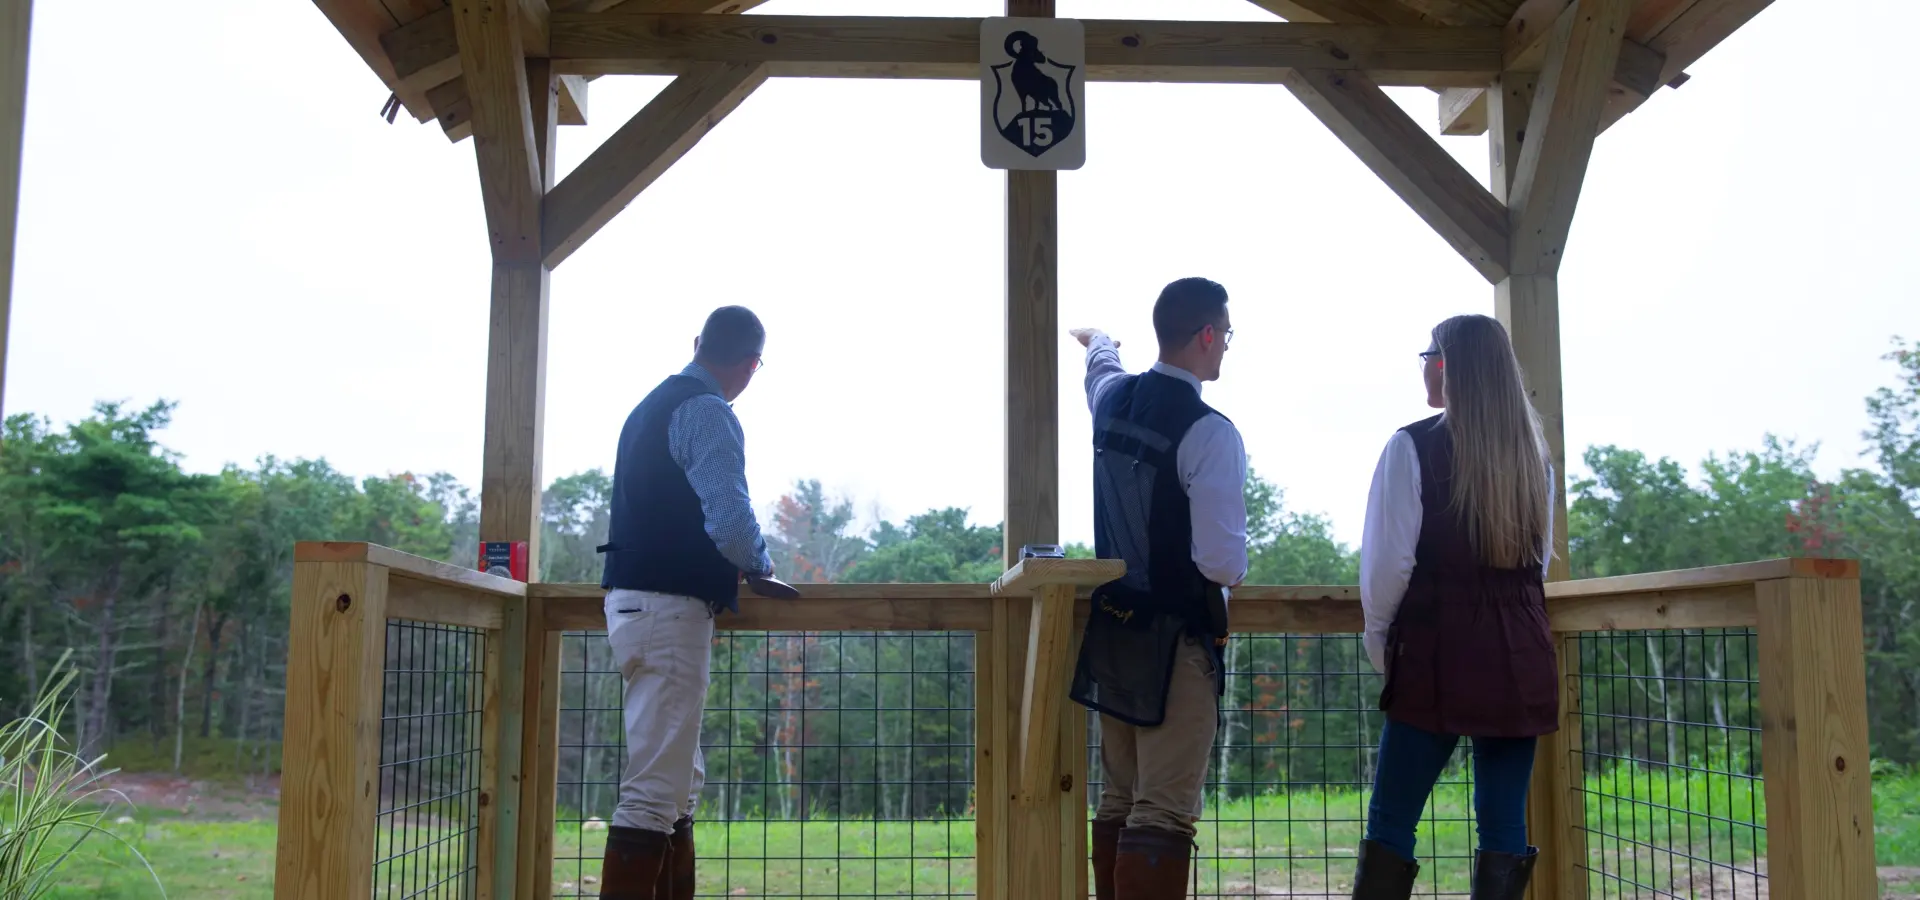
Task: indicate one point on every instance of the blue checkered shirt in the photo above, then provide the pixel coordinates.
(706, 440)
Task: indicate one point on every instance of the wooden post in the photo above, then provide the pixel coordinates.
(539, 755)
(330, 789)
(1813, 740)
(1540, 131)
(1027, 849)
(16, 23)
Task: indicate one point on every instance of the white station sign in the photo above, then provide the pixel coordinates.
(1032, 87)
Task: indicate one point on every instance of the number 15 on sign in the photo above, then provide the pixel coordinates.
(1032, 82)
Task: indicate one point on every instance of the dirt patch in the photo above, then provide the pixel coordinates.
(157, 793)
(1899, 882)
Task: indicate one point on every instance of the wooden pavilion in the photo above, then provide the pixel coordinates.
(1541, 78)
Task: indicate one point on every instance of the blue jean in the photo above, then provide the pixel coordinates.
(1411, 761)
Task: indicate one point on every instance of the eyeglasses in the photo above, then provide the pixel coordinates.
(758, 364)
(1428, 354)
(1226, 339)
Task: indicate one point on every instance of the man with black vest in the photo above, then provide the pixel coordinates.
(681, 536)
(1169, 498)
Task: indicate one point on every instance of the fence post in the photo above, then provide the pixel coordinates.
(1556, 815)
(501, 753)
(1813, 734)
(330, 763)
(539, 754)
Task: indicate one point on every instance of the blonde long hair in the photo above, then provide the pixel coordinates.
(1500, 490)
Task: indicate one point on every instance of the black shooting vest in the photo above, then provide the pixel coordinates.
(1141, 515)
(657, 534)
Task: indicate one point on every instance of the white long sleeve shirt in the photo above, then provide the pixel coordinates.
(1213, 470)
(1391, 533)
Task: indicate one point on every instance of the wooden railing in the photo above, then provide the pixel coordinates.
(1029, 740)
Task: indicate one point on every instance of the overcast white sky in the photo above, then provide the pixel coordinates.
(213, 213)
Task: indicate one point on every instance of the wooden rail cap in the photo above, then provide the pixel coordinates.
(406, 565)
(1028, 576)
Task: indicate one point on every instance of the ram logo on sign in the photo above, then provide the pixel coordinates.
(1032, 79)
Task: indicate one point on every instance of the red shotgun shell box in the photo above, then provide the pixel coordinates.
(507, 559)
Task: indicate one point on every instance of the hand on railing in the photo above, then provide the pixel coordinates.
(770, 586)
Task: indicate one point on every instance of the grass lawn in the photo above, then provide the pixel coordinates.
(1300, 843)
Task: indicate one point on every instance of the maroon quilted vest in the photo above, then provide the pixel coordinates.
(1470, 652)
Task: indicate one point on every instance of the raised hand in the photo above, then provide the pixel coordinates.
(1086, 335)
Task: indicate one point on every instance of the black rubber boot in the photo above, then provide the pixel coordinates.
(677, 874)
(1381, 874)
(632, 867)
(1503, 876)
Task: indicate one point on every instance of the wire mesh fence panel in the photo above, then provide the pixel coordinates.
(1291, 773)
(1671, 787)
(835, 765)
(425, 836)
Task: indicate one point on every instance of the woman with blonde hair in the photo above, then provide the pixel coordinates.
(1459, 531)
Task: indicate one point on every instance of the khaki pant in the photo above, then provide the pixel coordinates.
(663, 645)
(1156, 777)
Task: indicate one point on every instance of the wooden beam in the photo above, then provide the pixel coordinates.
(331, 755)
(641, 151)
(362, 23)
(435, 603)
(573, 99)
(619, 42)
(1814, 752)
(16, 23)
(1371, 12)
(493, 60)
(661, 6)
(1560, 132)
(1637, 73)
(409, 566)
(1398, 150)
(1683, 40)
(539, 772)
(1044, 701)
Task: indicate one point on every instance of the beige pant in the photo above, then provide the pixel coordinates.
(663, 645)
(1156, 777)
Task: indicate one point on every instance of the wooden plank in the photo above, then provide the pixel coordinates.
(430, 601)
(493, 66)
(619, 42)
(16, 23)
(406, 565)
(641, 151)
(487, 880)
(362, 22)
(1028, 576)
(1529, 307)
(1412, 164)
(539, 757)
(453, 110)
(1582, 54)
(573, 99)
(1032, 361)
(809, 593)
(1684, 40)
(1556, 816)
(1528, 33)
(994, 756)
(505, 714)
(1813, 740)
(424, 53)
(1709, 576)
(1048, 673)
(763, 614)
(1718, 606)
(329, 792)
(1344, 11)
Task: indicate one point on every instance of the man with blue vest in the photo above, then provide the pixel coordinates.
(681, 537)
(1169, 477)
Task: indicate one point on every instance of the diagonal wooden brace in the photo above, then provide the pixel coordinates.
(1053, 585)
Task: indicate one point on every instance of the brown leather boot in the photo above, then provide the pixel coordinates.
(1106, 844)
(1152, 865)
(676, 877)
(633, 864)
